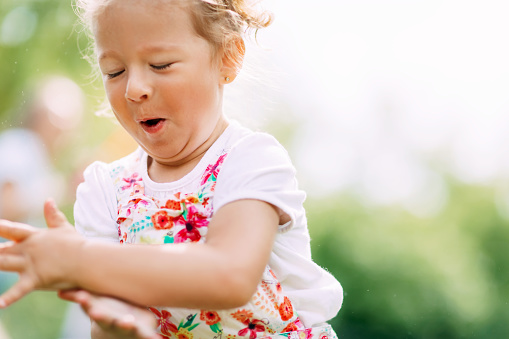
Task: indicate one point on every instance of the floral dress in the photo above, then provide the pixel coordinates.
(184, 217)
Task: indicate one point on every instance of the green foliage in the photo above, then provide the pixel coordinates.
(54, 46)
(406, 277)
(37, 316)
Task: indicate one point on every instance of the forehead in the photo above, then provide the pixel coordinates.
(139, 23)
(106, 10)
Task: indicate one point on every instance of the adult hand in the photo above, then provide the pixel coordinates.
(43, 258)
(113, 318)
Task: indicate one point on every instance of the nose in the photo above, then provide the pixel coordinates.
(138, 87)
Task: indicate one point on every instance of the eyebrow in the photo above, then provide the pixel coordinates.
(147, 50)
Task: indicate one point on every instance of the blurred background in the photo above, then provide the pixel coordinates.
(396, 115)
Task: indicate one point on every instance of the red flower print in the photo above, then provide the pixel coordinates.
(162, 221)
(290, 328)
(132, 180)
(172, 205)
(192, 222)
(243, 316)
(293, 326)
(190, 233)
(210, 317)
(167, 327)
(286, 309)
(205, 202)
(253, 326)
(212, 170)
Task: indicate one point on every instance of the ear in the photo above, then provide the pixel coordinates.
(233, 57)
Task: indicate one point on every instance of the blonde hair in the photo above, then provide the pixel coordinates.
(223, 23)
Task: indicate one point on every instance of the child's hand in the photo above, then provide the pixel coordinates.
(114, 319)
(43, 258)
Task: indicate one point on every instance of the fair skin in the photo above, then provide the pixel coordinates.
(165, 89)
(113, 318)
(161, 82)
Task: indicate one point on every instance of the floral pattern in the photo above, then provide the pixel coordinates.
(162, 220)
(164, 323)
(191, 221)
(286, 309)
(184, 217)
(210, 317)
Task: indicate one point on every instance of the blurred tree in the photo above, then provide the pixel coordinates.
(406, 277)
(37, 38)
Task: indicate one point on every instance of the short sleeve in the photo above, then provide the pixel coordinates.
(95, 207)
(258, 167)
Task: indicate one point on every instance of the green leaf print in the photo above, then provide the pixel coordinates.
(216, 328)
(184, 213)
(190, 321)
(193, 327)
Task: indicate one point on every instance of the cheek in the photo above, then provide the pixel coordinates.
(114, 93)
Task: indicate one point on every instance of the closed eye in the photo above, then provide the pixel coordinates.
(161, 67)
(114, 75)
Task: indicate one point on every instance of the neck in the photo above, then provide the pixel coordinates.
(163, 172)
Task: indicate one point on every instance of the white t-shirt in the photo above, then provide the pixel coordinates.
(257, 167)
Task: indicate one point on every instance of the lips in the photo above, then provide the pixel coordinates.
(152, 125)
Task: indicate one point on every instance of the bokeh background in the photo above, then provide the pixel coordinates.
(396, 115)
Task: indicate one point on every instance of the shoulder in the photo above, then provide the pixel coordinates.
(258, 167)
(102, 171)
(256, 149)
(95, 210)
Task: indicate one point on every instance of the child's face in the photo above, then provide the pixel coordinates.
(159, 76)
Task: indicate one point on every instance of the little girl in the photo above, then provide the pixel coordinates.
(221, 200)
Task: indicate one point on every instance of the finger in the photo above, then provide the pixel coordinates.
(126, 322)
(109, 319)
(5, 246)
(126, 325)
(12, 263)
(84, 299)
(73, 295)
(54, 217)
(15, 231)
(16, 292)
(140, 326)
(146, 332)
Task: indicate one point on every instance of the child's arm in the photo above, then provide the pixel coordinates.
(112, 318)
(221, 273)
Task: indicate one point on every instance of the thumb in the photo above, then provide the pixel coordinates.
(54, 217)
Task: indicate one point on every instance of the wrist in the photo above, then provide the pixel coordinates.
(78, 261)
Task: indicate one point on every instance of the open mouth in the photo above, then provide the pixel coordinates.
(152, 125)
(151, 122)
